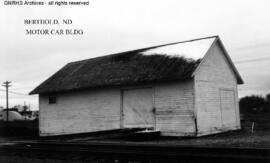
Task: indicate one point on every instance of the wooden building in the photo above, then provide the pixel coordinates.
(186, 88)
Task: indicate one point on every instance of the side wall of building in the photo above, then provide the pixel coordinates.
(80, 112)
(99, 110)
(216, 88)
(174, 104)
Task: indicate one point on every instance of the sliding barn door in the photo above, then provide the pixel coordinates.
(137, 108)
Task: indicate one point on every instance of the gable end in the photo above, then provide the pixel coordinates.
(219, 43)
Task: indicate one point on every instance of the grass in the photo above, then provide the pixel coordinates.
(259, 138)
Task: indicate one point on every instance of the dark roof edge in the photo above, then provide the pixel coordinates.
(137, 85)
(34, 91)
(238, 76)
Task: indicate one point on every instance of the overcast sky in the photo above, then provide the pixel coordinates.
(120, 25)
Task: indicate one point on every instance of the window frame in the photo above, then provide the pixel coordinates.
(52, 99)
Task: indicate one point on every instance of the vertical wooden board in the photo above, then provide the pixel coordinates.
(138, 108)
(228, 114)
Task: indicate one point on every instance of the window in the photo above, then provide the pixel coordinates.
(52, 99)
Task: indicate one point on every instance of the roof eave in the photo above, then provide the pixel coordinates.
(238, 76)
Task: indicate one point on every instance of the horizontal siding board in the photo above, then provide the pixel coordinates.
(175, 109)
(79, 112)
(175, 119)
(172, 112)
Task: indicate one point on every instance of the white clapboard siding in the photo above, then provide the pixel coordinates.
(79, 112)
(206, 104)
(214, 75)
(174, 108)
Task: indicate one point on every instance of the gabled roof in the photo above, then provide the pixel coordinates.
(175, 61)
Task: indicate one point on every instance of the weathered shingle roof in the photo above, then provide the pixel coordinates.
(176, 61)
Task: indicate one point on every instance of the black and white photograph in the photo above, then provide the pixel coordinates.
(145, 81)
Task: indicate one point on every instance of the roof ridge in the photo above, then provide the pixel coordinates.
(146, 48)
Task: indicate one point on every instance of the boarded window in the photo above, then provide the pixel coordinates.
(52, 99)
